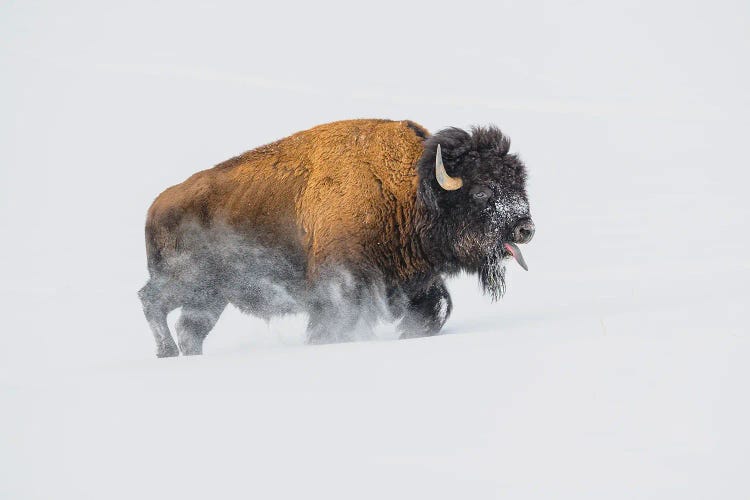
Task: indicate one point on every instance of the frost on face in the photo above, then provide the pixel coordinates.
(507, 209)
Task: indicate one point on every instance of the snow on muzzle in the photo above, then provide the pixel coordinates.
(516, 253)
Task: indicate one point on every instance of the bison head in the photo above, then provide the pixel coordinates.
(475, 195)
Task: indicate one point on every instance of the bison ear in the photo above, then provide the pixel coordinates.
(428, 195)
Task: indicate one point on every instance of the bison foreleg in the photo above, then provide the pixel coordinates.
(342, 308)
(330, 324)
(427, 310)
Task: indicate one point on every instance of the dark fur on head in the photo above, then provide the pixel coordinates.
(471, 224)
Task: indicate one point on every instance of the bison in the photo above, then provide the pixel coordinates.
(349, 222)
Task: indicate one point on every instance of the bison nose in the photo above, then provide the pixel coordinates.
(523, 231)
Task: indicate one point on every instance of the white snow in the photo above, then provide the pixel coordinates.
(616, 368)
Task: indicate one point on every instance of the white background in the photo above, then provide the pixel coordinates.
(617, 367)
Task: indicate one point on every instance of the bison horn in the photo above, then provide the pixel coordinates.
(446, 181)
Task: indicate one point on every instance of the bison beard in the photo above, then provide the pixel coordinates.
(492, 275)
(350, 222)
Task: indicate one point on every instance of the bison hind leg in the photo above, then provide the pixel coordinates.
(201, 308)
(157, 303)
(197, 318)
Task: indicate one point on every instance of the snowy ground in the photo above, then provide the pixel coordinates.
(617, 367)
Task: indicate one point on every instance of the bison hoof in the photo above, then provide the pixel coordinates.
(167, 351)
(191, 347)
(320, 340)
(415, 334)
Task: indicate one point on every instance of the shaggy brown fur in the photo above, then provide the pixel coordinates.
(313, 192)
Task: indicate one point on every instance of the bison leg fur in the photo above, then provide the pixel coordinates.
(427, 310)
(156, 306)
(342, 309)
(195, 322)
(329, 324)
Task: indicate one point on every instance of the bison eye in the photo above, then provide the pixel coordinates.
(480, 195)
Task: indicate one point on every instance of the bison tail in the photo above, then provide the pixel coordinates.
(161, 241)
(154, 255)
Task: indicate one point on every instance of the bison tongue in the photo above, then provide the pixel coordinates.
(516, 253)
